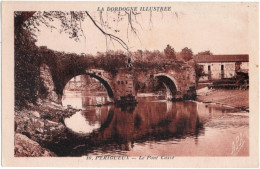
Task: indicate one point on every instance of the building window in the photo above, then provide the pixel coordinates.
(126, 82)
(209, 72)
(237, 66)
(222, 72)
(118, 82)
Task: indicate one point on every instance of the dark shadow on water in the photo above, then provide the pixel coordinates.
(122, 128)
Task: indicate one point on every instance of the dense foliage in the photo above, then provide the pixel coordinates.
(27, 81)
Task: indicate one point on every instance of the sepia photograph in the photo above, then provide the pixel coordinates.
(132, 81)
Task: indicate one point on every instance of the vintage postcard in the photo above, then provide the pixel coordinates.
(130, 84)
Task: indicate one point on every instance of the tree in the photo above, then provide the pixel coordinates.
(71, 23)
(26, 75)
(186, 54)
(169, 52)
(137, 55)
(207, 52)
(199, 72)
(29, 57)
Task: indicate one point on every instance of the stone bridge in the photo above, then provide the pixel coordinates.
(179, 82)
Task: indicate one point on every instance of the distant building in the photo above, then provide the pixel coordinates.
(82, 83)
(74, 83)
(222, 66)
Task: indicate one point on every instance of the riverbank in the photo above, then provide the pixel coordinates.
(39, 126)
(235, 98)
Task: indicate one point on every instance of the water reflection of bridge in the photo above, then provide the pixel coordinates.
(121, 128)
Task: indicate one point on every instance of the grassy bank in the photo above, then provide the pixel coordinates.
(235, 98)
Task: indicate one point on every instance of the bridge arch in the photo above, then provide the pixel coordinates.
(103, 81)
(169, 82)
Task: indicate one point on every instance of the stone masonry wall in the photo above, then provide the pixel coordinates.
(46, 78)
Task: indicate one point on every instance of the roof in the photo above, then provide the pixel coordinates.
(221, 58)
(243, 71)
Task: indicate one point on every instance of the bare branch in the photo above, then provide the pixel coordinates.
(130, 22)
(136, 19)
(101, 19)
(85, 39)
(113, 37)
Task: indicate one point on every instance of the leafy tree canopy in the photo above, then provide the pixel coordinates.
(207, 52)
(169, 52)
(186, 54)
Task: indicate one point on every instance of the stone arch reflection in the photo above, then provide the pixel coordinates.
(122, 129)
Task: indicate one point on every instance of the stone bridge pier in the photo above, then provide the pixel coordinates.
(117, 86)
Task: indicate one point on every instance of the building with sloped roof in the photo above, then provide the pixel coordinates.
(222, 66)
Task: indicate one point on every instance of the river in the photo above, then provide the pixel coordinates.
(154, 126)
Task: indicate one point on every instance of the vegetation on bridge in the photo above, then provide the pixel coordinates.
(64, 66)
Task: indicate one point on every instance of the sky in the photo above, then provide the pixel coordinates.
(221, 28)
